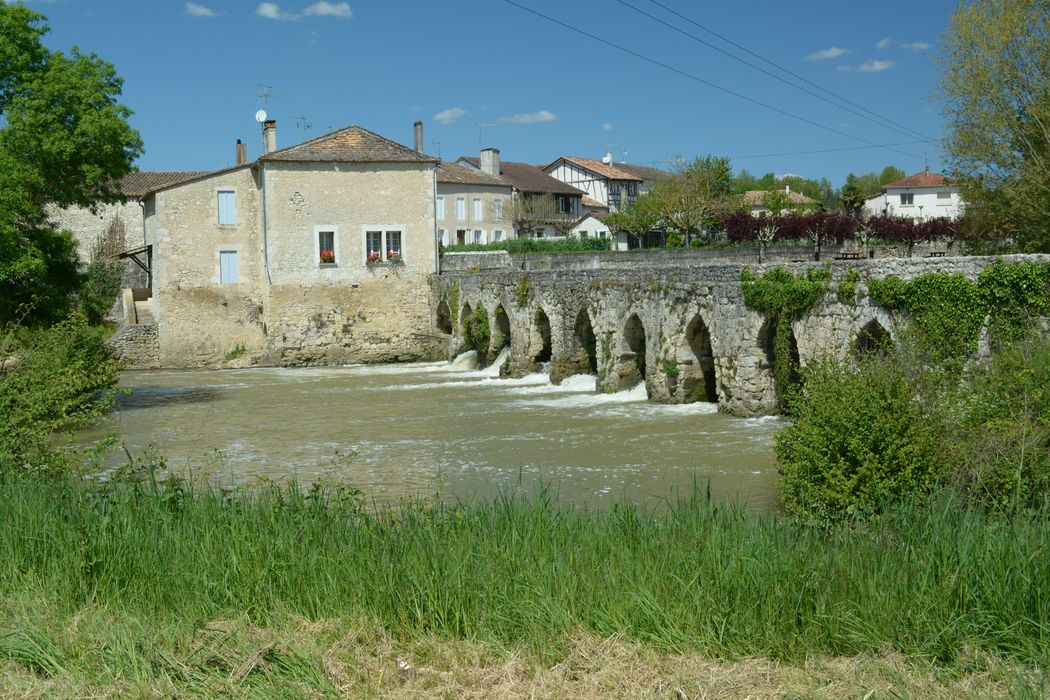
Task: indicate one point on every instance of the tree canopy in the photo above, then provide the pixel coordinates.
(996, 91)
(64, 140)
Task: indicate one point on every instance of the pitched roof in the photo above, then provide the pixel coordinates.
(454, 173)
(138, 184)
(644, 171)
(754, 198)
(923, 179)
(528, 178)
(593, 203)
(348, 145)
(613, 172)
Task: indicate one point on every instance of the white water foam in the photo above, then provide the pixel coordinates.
(590, 399)
(466, 361)
(493, 369)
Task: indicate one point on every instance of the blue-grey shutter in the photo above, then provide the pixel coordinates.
(228, 267)
(227, 208)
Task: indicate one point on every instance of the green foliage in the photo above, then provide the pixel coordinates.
(236, 353)
(858, 440)
(61, 377)
(782, 298)
(521, 294)
(675, 240)
(64, 140)
(671, 369)
(569, 244)
(102, 285)
(847, 293)
(476, 331)
(947, 311)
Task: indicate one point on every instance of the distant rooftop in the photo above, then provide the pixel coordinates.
(349, 145)
(527, 178)
(923, 179)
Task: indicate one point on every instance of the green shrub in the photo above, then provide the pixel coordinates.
(860, 437)
(59, 377)
(537, 245)
(476, 331)
(102, 284)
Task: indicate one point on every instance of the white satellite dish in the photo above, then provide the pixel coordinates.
(260, 116)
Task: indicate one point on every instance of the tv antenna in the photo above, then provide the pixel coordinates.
(480, 127)
(623, 158)
(264, 94)
(438, 144)
(301, 122)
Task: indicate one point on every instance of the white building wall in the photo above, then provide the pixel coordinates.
(926, 204)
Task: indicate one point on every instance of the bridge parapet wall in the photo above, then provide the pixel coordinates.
(683, 328)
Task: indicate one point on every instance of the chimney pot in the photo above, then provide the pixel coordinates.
(417, 133)
(269, 136)
(242, 153)
(490, 163)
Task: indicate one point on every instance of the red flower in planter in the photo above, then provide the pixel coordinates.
(327, 256)
(374, 257)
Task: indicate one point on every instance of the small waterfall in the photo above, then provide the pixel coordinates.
(544, 367)
(465, 362)
(493, 369)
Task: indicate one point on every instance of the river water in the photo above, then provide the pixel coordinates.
(420, 429)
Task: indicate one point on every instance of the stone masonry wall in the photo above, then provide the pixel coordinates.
(692, 323)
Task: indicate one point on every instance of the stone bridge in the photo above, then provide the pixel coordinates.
(681, 327)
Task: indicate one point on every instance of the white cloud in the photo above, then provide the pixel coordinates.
(196, 10)
(607, 126)
(883, 43)
(875, 66)
(450, 116)
(825, 54)
(528, 118)
(271, 10)
(329, 9)
(916, 46)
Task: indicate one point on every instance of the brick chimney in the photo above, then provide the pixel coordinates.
(490, 161)
(242, 153)
(269, 136)
(417, 133)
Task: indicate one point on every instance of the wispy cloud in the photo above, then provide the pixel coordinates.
(868, 67)
(913, 46)
(271, 10)
(825, 54)
(450, 116)
(329, 9)
(916, 46)
(528, 118)
(883, 43)
(196, 10)
(607, 126)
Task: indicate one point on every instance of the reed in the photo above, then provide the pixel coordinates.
(527, 571)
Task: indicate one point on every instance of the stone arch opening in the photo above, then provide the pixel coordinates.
(500, 329)
(767, 341)
(872, 339)
(632, 355)
(463, 316)
(444, 318)
(584, 333)
(697, 368)
(540, 340)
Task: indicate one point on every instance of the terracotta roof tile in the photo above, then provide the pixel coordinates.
(453, 173)
(923, 179)
(528, 178)
(613, 172)
(593, 203)
(644, 171)
(348, 145)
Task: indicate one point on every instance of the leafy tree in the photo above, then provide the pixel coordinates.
(695, 198)
(635, 219)
(852, 197)
(64, 140)
(528, 213)
(996, 90)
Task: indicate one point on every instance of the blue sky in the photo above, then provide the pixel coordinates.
(484, 72)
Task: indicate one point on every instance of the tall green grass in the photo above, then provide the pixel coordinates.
(939, 581)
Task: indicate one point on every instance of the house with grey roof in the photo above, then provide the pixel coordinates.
(317, 253)
(543, 206)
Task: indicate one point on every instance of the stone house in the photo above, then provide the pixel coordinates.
(759, 201)
(314, 254)
(470, 203)
(924, 195)
(553, 204)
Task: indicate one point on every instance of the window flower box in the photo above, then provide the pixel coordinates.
(327, 257)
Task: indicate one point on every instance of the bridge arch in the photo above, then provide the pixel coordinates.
(443, 318)
(633, 354)
(540, 348)
(872, 338)
(767, 341)
(697, 378)
(587, 344)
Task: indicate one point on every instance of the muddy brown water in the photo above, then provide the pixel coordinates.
(420, 429)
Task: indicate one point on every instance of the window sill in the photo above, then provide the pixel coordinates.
(326, 265)
(226, 225)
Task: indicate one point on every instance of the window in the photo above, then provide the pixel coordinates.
(497, 209)
(384, 245)
(583, 234)
(478, 236)
(227, 208)
(632, 189)
(477, 209)
(441, 207)
(907, 199)
(614, 195)
(228, 267)
(461, 209)
(326, 247)
(497, 235)
(944, 198)
(443, 236)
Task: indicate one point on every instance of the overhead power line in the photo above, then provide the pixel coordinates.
(702, 81)
(832, 150)
(779, 67)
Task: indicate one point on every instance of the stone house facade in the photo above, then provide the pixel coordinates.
(314, 254)
(470, 205)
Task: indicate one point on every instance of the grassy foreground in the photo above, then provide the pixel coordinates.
(158, 589)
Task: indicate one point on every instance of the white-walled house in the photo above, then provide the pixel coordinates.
(604, 183)
(924, 195)
(590, 225)
(470, 205)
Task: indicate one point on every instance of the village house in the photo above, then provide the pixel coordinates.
(471, 202)
(542, 205)
(924, 195)
(313, 254)
(760, 202)
(606, 185)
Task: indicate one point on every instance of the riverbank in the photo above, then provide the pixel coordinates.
(128, 589)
